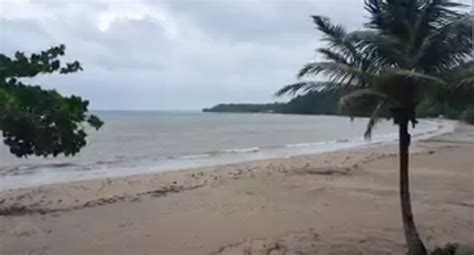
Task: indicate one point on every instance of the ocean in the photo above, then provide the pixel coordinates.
(134, 142)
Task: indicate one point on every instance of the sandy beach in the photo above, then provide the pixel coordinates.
(343, 202)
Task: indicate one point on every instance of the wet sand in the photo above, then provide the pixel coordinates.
(343, 202)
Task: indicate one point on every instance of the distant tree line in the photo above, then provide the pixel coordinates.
(327, 103)
(245, 108)
(311, 103)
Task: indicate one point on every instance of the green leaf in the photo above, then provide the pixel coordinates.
(36, 121)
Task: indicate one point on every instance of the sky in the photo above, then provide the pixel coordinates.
(173, 54)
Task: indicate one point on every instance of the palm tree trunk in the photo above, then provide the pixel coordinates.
(414, 243)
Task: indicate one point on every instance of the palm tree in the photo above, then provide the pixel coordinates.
(401, 56)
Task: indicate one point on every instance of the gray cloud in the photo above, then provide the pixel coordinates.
(173, 54)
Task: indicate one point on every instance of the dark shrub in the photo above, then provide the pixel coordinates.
(448, 249)
(468, 116)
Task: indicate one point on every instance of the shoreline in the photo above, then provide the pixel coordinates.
(205, 160)
(299, 204)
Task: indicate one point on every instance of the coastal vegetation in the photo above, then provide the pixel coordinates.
(311, 103)
(37, 121)
(468, 116)
(327, 103)
(250, 108)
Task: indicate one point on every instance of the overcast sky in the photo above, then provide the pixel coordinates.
(173, 54)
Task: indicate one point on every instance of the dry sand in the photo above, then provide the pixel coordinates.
(342, 202)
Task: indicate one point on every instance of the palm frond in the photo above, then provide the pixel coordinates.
(411, 74)
(446, 46)
(432, 35)
(434, 13)
(306, 86)
(337, 72)
(466, 83)
(332, 55)
(393, 17)
(382, 50)
(462, 77)
(374, 119)
(408, 87)
(330, 30)
(336, 38)
(361, 102)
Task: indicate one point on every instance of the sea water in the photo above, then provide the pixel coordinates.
(134, 142)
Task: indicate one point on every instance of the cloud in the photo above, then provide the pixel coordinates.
(173, 54)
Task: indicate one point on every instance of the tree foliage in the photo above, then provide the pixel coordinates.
(409, 52)
(36, 121)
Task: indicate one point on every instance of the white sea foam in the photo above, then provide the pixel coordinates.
(241, 150)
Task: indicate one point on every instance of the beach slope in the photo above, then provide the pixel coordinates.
(343, 202)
